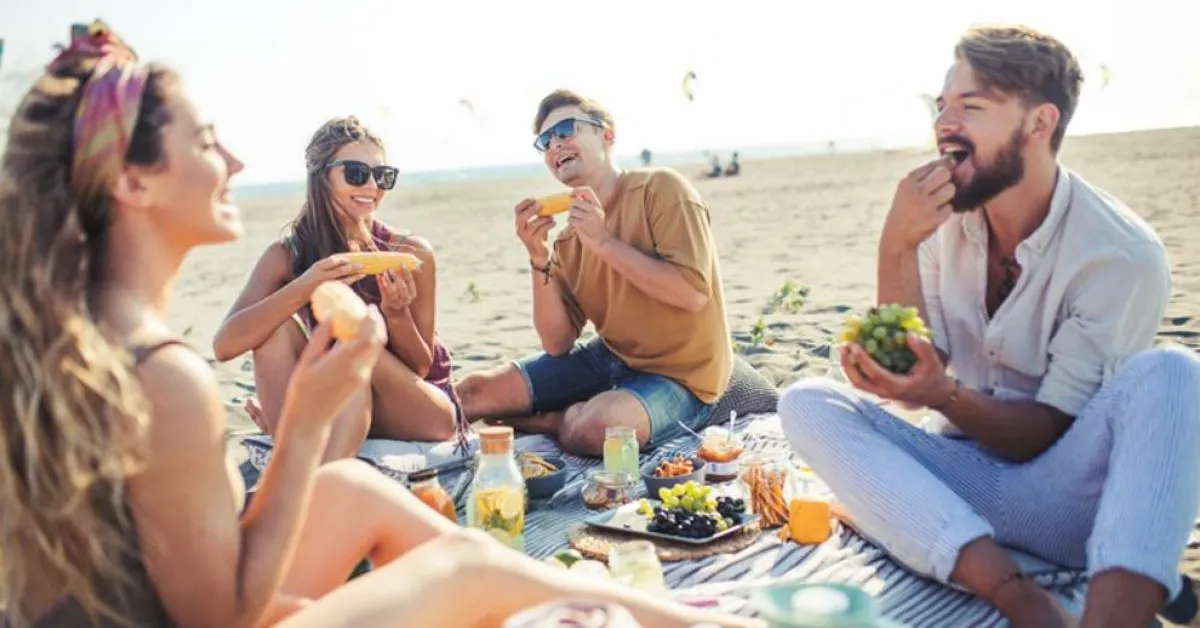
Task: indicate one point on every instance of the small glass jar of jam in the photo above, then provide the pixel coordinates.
(721, 452)
(425, 486)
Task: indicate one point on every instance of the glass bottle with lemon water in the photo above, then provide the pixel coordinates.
(496, 503)
(621, 450)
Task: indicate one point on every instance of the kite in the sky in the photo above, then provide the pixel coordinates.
(689, 80)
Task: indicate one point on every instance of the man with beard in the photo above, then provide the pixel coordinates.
(637, 260)
(1063, 432)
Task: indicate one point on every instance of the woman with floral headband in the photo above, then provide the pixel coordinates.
(411, 396)
(117, 505)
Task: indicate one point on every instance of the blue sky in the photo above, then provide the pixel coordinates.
(268, 72)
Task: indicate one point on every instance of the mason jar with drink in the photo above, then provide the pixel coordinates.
(621, 450)
(635, 563)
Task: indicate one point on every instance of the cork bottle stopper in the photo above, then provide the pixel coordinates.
(496, 439)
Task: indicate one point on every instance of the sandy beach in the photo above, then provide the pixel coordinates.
(811, 221)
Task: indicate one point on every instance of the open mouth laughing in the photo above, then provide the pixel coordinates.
(565, 159)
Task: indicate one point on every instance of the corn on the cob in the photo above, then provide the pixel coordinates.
(375, 262)
(556, 204)
(334, 299)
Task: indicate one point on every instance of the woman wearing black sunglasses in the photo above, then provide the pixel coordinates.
(411, 396)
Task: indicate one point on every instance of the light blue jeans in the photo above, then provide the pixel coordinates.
(1120, 489)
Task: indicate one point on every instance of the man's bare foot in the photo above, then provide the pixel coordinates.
(256, 413)
(1030, 606)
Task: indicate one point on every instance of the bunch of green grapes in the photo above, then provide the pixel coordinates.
(882, 334)
(692, 497)
(690, 510)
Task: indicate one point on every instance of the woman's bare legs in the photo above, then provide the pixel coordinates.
(426, 566)
(356, 513)
(468, 579)
(274, 361)
(406, 406)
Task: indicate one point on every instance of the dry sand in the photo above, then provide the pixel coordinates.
(812, 221)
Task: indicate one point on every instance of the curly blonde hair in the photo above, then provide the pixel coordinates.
(73, 420)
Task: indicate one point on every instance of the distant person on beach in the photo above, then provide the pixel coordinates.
(714, 168)
(636, 260)
(411, 396)
(734, 168)
(119, 505)
(646, 157)
(1062, 432)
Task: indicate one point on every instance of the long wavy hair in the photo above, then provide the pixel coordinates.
(73, 420)
(317, 231)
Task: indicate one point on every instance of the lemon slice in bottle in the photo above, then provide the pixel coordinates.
(510, 504)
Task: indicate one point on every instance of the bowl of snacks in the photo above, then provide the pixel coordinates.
(672, 471)
(543, 476)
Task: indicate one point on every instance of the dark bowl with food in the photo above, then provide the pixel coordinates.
(675, 468)
(543, 486)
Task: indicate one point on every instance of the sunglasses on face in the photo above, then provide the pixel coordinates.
(356, 173)
(563, 129)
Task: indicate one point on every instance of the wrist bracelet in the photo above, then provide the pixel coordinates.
(953, 397)
(544, 270)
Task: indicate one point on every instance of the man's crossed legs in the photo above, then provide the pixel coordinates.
(1117, 494)
(576, 397)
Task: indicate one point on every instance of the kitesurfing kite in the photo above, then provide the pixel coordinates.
(689, 80)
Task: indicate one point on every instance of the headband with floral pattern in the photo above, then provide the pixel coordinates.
(108, 107)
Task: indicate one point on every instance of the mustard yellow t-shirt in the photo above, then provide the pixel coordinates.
(658, 212)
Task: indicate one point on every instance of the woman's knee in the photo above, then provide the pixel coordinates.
(349, 485)
(347, 474)
(282, 347)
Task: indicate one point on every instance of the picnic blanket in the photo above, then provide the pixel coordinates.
(727, 580)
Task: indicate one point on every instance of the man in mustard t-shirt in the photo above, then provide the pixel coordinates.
(636, 259)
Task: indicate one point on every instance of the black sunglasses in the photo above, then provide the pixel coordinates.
(563, 129)
(356, 173)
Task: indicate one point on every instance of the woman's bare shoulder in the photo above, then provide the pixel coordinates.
(418, 246)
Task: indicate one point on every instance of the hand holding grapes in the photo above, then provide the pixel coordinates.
(890, 354)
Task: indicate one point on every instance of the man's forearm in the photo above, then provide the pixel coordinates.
(550, 318)
(659, 279)
(1016, 430)
(898, 279)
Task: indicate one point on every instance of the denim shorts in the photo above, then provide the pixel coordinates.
(591, 368)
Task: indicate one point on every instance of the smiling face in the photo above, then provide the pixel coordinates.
(355, 202)
(987, 132)
(186, 195)
(579, 145)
